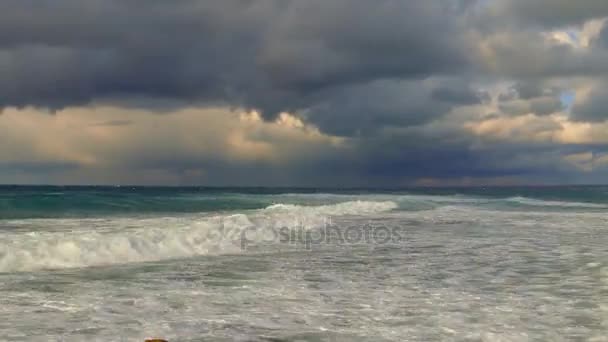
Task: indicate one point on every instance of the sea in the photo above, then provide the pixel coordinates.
(291, 264)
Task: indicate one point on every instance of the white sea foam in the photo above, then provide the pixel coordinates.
(463, 271)
(346, 208)
(127, 240)
(542, 203)
(407, 200)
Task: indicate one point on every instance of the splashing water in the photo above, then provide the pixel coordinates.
(471, 266)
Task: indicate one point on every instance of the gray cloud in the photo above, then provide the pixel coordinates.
(364, 109)
(529, 55)
(540, 106)
(549, 13)
(265, 54)
(530, 98)
(113, 123)
(595, 107)
(388, 75)
(529, 90)
(602, 40)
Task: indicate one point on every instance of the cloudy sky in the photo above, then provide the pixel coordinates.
(304, 92)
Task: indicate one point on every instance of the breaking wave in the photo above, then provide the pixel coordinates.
(346, 208)
(543, 203)
(132, 240)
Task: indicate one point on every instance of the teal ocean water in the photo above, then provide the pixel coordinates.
(56, 202)
(289, 264)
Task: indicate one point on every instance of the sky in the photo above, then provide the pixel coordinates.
(383, 93)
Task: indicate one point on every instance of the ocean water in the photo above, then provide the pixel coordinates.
(200, 264)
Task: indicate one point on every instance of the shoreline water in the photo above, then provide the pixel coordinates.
(501, 266)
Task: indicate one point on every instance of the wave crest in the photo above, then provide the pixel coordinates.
(544, 203)
(346, 208)
(131, 240)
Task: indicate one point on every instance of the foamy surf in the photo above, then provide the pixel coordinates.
(346, 208)
(132, 240)
(544, 203)
(435, 266)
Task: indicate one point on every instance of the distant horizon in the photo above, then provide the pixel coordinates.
(304, 187)
(315, 170)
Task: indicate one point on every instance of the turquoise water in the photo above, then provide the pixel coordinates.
(226, 264)
(49, 201)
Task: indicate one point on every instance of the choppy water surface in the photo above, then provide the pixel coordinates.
(441, 265)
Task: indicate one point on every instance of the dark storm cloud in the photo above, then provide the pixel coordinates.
(459, 94)
(528, 90)
(271, 55)
(530, 98)
(71, 52)
(519, 40)
(531, 56)
(363, 109)
(393, 159)
(539, 106)
(602, 40)
(550, 13)
(378, 72)
(594, 108)
(324, 43)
